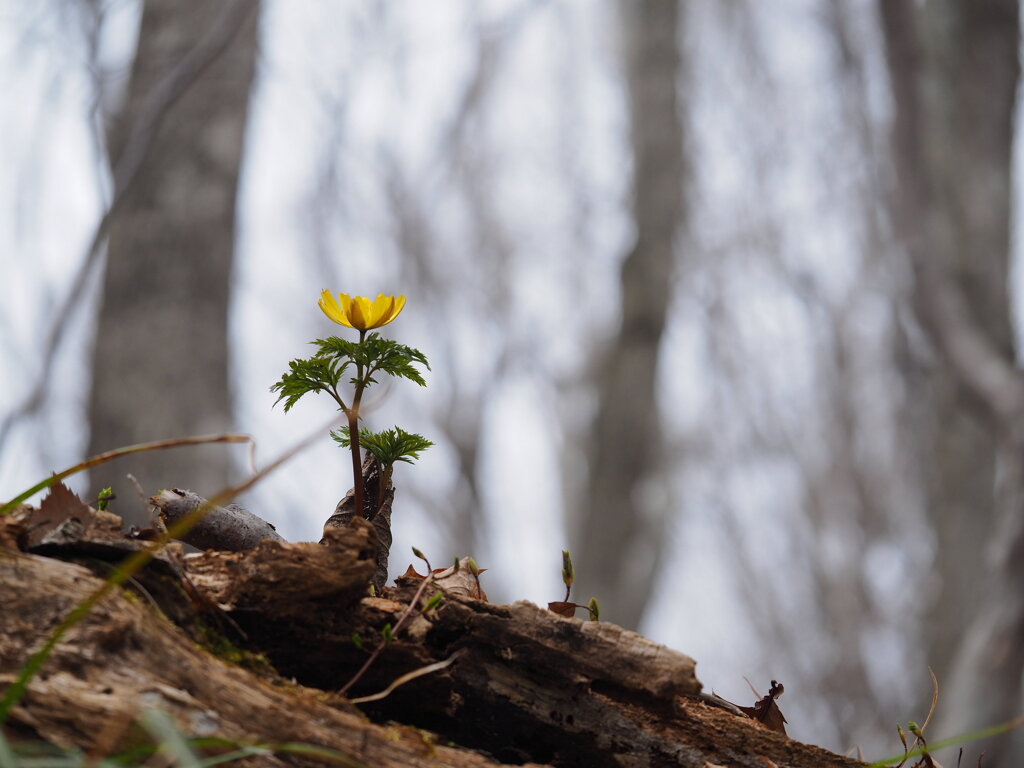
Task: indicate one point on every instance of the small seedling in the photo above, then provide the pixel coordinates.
(567, 573)
(565, 607)
(366, 358)
(104, 499)
(422, 557)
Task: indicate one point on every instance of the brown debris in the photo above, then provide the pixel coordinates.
(527, 686)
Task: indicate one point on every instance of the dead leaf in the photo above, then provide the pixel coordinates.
(60, 504)
(767, 712)
(411, 576)
(568, 610)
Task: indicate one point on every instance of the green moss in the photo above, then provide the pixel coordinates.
(217, 644)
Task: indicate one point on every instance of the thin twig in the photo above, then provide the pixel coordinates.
(428, 579)
(935, 699)
(102, 458)
(398, 625)
(407, 677)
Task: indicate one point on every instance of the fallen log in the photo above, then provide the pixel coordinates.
(525, 687)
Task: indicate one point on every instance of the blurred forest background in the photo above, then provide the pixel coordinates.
(721, 295)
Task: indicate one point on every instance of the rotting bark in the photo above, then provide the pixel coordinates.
(528, 686)
(378, 496)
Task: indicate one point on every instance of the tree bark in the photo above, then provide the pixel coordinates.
(160, 364)
(623, 514)
(954, 71)
(522, 684)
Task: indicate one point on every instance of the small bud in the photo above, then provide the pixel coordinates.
(914, 728)
(433, 602)
(456, 565)
(104, 498)
(418, 554)
(386, 633)
(357, 641)
(472, 566)
(567, 572)
(595, 609)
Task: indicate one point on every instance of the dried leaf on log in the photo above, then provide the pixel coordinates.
(766, 711)
(62, 515)
(379, 494)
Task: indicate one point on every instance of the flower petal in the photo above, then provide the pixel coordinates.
(330, 307)
(359, 313)
(399, 305)
(382, 307)
(396, 304)
(346, 304)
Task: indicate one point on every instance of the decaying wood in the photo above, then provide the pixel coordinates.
(231, 527)
(527, 686)
(123, 658)
(378, 496)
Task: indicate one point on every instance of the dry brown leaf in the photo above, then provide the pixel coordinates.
(568, 610)
(449, 580)
(411, 576)
(60, 504)
(767, 712)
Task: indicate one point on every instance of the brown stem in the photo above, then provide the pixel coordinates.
(353, 435)
(357, 464)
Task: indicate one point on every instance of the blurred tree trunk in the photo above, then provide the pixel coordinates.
(624, 510)
(160, 366)
(954, 70)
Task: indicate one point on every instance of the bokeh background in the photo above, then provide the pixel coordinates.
(720, 295)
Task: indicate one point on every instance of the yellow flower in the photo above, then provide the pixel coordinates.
(359, 312)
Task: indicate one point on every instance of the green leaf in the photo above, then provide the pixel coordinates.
(433, 602)
(375, 354)
(388, 446)
(103, 501)
(317, 374)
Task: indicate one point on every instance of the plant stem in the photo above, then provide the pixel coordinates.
(357, 465)
(353, 438)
